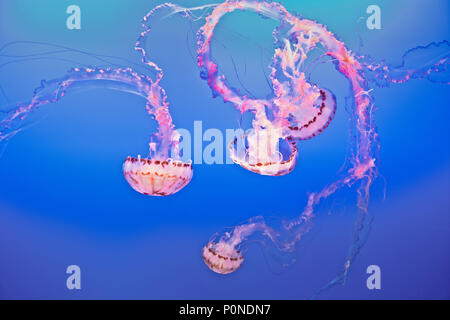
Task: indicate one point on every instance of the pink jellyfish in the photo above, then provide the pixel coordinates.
(156, 177)
(222, 257)
(262, 155)
(223, 254)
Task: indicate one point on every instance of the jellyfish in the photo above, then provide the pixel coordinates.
(222, 257)
(157, 175)
(225, 251)
(297, 110)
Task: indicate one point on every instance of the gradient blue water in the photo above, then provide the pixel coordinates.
(63, 199)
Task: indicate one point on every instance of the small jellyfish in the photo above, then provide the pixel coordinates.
(222, 257)
(157, 177)
(310, 120)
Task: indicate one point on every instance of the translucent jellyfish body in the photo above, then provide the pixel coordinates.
(222, 257)
(299, 109)
(262, 155)
(223, 253)
(157, 177)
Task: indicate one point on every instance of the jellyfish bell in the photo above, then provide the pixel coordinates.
(157, 177)
(312, 117)
(222, 257)
(222, 254)
(260, 152)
